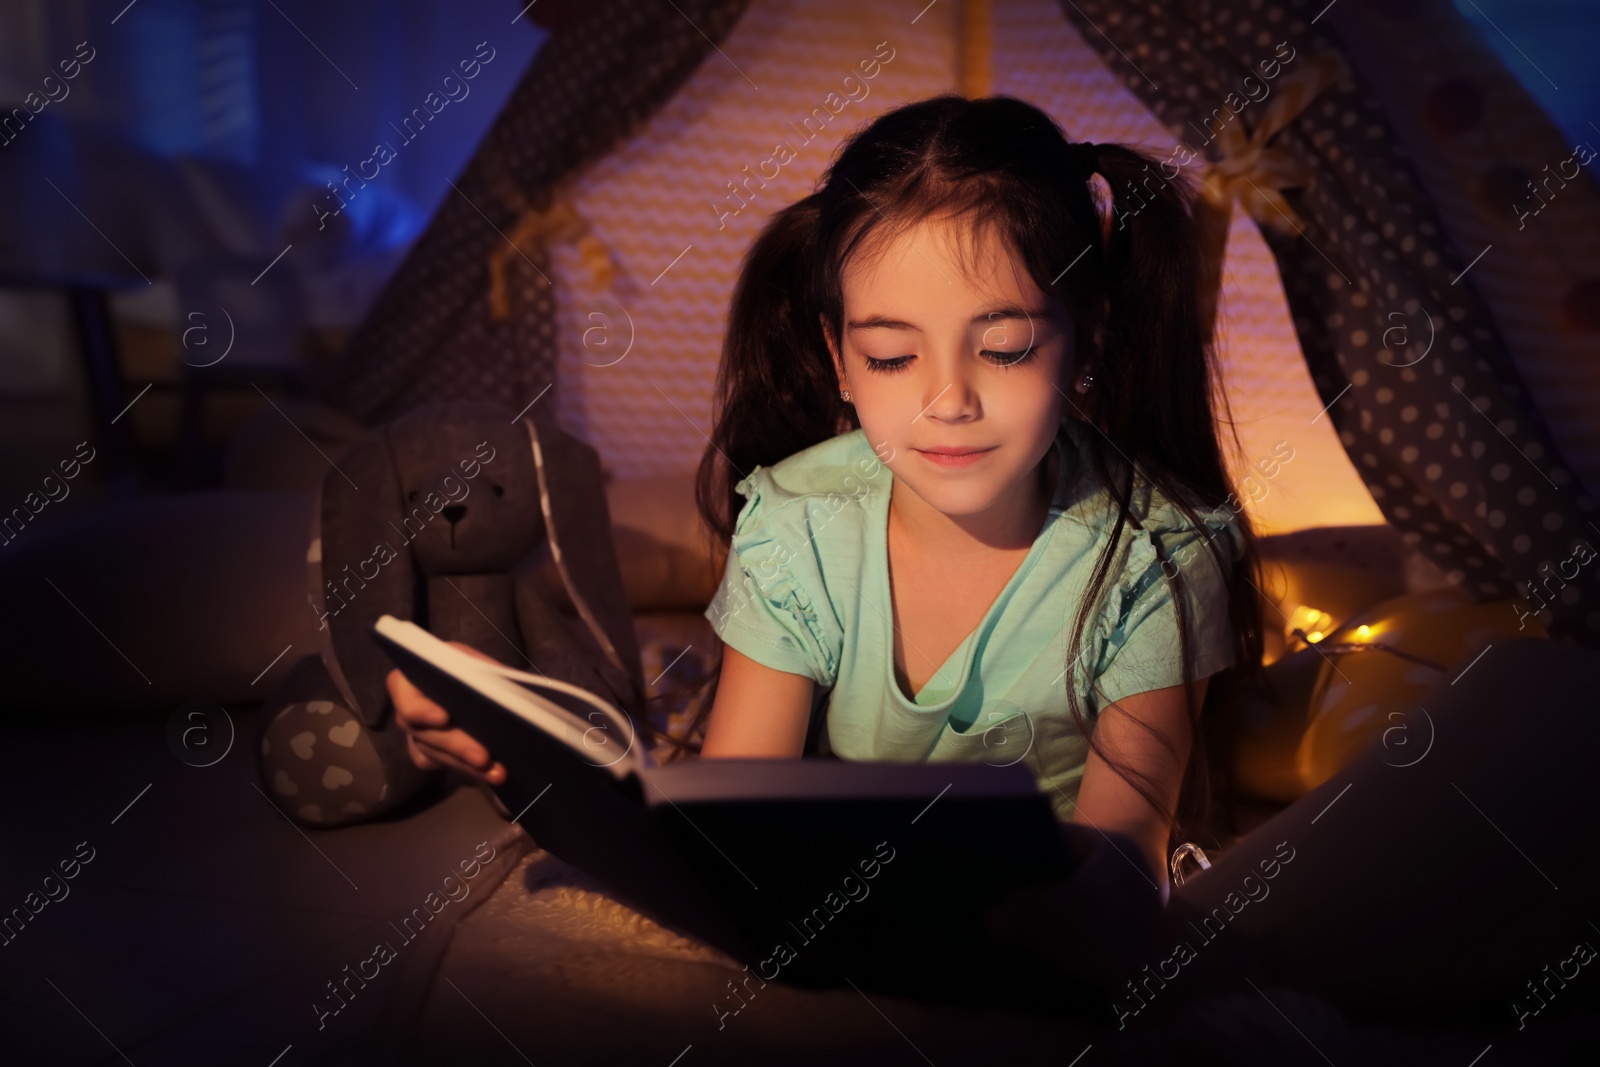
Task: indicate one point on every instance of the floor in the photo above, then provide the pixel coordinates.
(200, 924)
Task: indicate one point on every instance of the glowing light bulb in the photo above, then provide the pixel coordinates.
(1313, 623)
(1363, 632)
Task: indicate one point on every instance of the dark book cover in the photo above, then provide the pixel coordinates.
(810, 871)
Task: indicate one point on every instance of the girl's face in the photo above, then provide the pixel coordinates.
(936, 359)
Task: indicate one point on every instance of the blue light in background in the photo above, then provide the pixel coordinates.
(1551, 46)
(278, 95)
(191, 85)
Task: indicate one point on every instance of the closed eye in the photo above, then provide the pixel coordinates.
(887, 366)
(1012, 359)
(998, 358)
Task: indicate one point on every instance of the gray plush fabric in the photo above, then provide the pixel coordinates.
(443, 517)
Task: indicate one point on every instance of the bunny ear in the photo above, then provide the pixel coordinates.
(578, 522)
(367, 568)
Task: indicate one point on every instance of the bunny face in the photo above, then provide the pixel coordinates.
(475, 515)
(467, 494)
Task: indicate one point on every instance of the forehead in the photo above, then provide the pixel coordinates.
(940, 263)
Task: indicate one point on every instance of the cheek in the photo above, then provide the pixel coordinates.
(887, 403)
(1035, 394)
(1032, 409)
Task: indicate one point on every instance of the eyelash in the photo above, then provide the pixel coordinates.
(890, 366)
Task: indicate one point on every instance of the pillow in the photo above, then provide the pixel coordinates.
(1263, 727)
(663, 549)
(1363, 693)
(1336, 570)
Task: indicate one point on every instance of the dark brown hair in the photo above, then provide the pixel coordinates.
(1127, 267)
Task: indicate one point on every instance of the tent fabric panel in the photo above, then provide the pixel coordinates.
(1372, 239)
(432, 334)
(1041, 57)
(1493, 164)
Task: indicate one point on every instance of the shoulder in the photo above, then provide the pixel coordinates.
(1164, 552)
(801, 532)
(829, 478)
(830, 466)
(1157, 530)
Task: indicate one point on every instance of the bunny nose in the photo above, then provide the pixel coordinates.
(454, 512)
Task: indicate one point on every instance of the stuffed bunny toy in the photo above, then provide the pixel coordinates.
(477, 526)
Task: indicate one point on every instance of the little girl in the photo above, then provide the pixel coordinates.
(964, 455)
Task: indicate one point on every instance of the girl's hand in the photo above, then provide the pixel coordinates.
(429, 738)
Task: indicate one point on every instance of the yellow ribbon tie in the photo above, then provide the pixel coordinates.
(557, 223)
(1254, 174)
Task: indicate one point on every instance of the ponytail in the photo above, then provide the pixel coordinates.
(774, 395)
(1155, 337)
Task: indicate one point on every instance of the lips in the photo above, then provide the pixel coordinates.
(944, 450)
(952, 456)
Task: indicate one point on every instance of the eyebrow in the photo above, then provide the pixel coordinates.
(1007, 311)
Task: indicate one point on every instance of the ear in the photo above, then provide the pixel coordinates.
(1084, 359)
(366, 557)
(578, 523)
(833, 352)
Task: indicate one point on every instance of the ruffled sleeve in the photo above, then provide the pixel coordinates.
(772, 603)
(1137, 630)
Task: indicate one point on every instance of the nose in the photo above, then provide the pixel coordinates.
(954, 399)
(454, 512)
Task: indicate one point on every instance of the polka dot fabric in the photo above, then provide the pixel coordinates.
(1447, 443)
(431, 335)
(1492, 162)
(1042, 58)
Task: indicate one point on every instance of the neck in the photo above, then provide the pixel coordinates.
(1011, 524)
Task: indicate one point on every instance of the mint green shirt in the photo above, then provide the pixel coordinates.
(806, 590)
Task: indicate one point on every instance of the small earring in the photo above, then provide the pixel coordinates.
(1085, 383)
(844, 394)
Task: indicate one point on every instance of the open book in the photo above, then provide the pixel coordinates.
(821, 869)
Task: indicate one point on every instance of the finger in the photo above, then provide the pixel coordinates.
(495, 775)
(457, 743)
(446, 758)
(411, 704)
(419, 755)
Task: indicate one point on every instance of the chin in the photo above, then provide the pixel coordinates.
(955, 491)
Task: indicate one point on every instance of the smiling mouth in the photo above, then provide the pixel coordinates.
(953, 458)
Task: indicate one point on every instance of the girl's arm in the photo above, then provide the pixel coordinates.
(759, 712)
(1148, 733)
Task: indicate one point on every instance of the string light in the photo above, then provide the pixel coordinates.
(1309, 624)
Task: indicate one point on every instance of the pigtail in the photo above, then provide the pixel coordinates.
(1153, 331)
(777, 393)
(1156, 405)
(777, 389)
